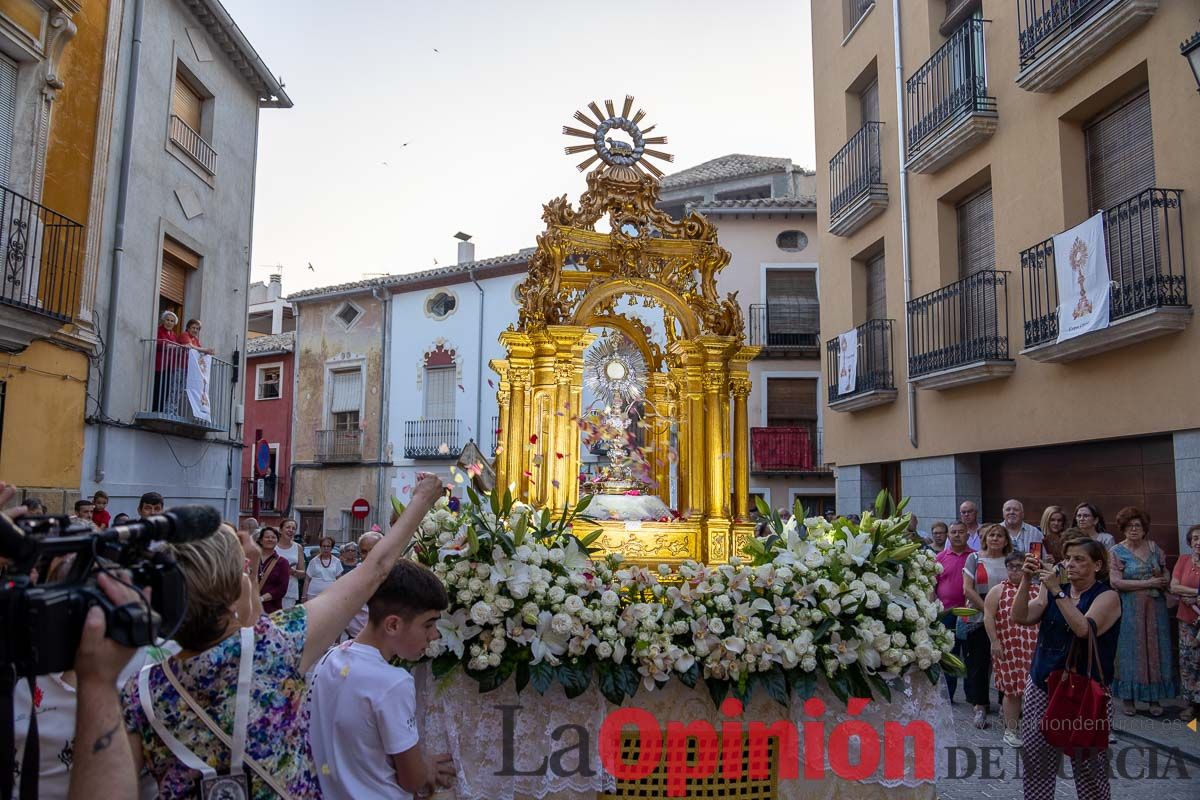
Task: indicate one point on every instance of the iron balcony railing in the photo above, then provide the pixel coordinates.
(1041, 23)
(433, 438)
(855, 169)
(43, 257)
(785, 450)
(194, 145)
(274, 494)
(340, 445)
(961, 323)
(785, 325)
(1146, 264)
(185, 387)
(495, 435)
(874, 371)
(951, 85)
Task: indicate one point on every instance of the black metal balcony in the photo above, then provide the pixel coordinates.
(43, 257)
(786, 328)
(1146, 264)
(874, 379)
(184, 390)
(856, 188)
(273, 498)
(961, 326)
(433, 438)
(339, 445)
(1056, 39)
(949, 90)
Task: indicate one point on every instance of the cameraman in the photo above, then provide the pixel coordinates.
(102, 756)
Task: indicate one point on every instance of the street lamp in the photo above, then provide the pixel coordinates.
(1191, 51)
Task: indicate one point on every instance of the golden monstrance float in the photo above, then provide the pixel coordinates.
(669, 399)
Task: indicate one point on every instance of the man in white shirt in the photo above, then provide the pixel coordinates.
(968, 515)
(1021, 532)
(363, 728)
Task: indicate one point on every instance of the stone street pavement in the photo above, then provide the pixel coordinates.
(1153, 759)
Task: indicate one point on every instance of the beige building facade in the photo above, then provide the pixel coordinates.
(765, 212)
(1013, 122)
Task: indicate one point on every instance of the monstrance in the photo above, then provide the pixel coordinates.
(615, 371)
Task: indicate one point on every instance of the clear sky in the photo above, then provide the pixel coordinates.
(416, 119)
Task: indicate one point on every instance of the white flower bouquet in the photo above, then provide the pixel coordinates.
(850, 603)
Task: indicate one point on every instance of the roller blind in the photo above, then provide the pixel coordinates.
(1120, 153)
(868, 101)
(439, 392)
(976, 234)
(8, 114)
(876, 288)
(792, 305)
(347, 391)
(173, 281)
(186, 103)
(791, 399)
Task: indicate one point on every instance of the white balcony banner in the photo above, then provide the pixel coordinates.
(199, 372)
(1081, 268)
(848, 361)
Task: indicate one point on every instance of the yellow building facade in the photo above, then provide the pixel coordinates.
(57, 76)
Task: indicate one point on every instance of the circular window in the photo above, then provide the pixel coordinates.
(791, 241)
(441, 305)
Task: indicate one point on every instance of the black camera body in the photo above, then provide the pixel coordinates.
(43, 622)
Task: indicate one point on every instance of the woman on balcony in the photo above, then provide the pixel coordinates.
(1054, 525)
(191, 337)
(981, 572)
(168, 365)
(1145, 660)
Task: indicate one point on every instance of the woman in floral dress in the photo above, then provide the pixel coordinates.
(284, 645)
(1145, 659)
(1012, 645)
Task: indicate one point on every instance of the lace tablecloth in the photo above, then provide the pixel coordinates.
(492, 736)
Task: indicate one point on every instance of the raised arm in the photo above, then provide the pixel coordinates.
(1104, 611)
(330, 611)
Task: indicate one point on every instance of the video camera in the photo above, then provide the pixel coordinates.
(43, 622)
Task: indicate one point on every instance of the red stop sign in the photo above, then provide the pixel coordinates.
(360, 508)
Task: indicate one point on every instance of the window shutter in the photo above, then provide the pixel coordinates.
(347, 391)
(8, 114)
(186, 104)
(439, 392)
(1120, 152)
(976, 234)
(174, 279)
(187, 257)
(791, 399)
(876, 288)
(792, 306)
(869, 103)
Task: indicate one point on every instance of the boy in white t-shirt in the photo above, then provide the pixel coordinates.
(363, 728)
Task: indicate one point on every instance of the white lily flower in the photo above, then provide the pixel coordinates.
(547, 644)
(858, 547)
(456, 631)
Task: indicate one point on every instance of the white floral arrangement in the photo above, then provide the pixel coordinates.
(848, 603)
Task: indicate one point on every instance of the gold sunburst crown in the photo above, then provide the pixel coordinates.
(614, 152)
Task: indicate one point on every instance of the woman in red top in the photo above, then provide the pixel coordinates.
(273, 571)
(191, 337)
(1185, 584)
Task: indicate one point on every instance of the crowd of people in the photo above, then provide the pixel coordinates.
(279, 677)
(1037, 590)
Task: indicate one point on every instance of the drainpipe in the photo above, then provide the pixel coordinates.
(478, 367)
(904, 244)
(114, 284)
(384, 498)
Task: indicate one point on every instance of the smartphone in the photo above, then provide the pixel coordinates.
(1035, 548)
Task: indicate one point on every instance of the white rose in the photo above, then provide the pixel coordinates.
(524, 553)
(481, 613)
(482, 570)
(493, 659)
(475, 585)
(808, 664)
(609, 599)
(716, 626)
(557, 594)
(872, 600)
(561, 624)
(556, 555)
(504, 604)
(462, 567)
(604, 650)
(911, 614)
(894, 612)
(573, 604)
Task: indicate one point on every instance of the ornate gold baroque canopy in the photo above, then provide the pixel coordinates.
(695, 385)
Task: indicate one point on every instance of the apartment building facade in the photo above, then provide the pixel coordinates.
(175, 234)
(956, 142)
(765, 212)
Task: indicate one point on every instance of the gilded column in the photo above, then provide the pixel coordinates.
(739, 384)
(518, 456)
(715, 386)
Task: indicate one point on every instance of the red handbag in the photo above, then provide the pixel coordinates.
(1076, 719)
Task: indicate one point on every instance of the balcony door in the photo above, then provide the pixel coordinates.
(793, 313)
(792, 403)
(1120, 154)
(8, 114)
(978, 301)
(868, 103)
(876, 288)
(439, 392)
